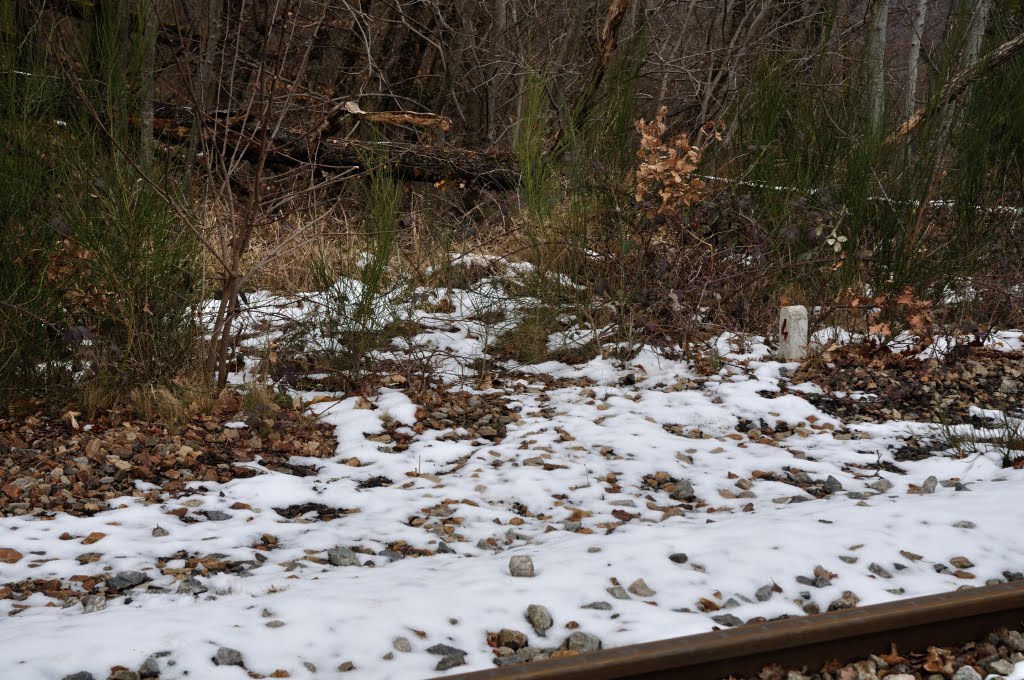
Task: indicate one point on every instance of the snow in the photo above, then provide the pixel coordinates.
(669, 419)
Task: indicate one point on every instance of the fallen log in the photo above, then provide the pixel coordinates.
(410, 162)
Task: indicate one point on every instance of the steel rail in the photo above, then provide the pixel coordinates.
(805, 641)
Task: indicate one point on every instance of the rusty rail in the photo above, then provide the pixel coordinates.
(806, 641)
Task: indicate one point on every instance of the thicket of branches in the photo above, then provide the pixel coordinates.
(686, 166)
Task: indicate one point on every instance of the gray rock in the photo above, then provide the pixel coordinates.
(964, 524)
(444, 549)
(1015, 641)
(80, 675)
(727, 620)
(149, 668)
(521, 565)
(402, 644)
(798, 499)
(159, 532)
(764, 593)
(684, 491)
(582, 642)
(392, 555)
(1001, 666)
(450, 662)
(833, 485)
(539, 618)
(966, 673)
(216, 515)
(94, 603)
(346, 666)
(276, 623)
(342, 557)
(929, 485)
(226, 656)
(513, 639)
(731, 603)
(678, 558)
(522, 656)
(881, 486)
(445, 650)
(879, 570)
(848, 600)
(900, 676)
(125, 580)
(618, 592)
(640, 588)
(599, 605)
(191, 586)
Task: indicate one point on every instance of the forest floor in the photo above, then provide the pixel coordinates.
(468, 518)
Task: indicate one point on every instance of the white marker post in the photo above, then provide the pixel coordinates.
(793, 333)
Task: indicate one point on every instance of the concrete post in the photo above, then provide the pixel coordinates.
(793, 333)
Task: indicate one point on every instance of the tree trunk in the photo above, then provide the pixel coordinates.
(147, 76)
(874, 61)
(914, 58)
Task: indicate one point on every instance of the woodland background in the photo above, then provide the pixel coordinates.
(669, 169)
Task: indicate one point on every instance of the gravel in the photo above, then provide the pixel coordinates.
(540, 618)
(342, 557)
(191, 586)
(513, 639)
(445, 650)
(832, 485)
(94, 603)
(684, 491)
(618, 592)
(640, 588)
(228, 657)
(450, 662)
(966, 673)
(727, 620)
(1001, 666)
(521, 565)
(125, 580)
(582, 642)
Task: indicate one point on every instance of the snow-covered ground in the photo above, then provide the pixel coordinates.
(727, 498)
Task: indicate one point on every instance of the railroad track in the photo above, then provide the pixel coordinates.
(806, 641)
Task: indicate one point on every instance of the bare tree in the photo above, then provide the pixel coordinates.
(914, 57)
(874, 60)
